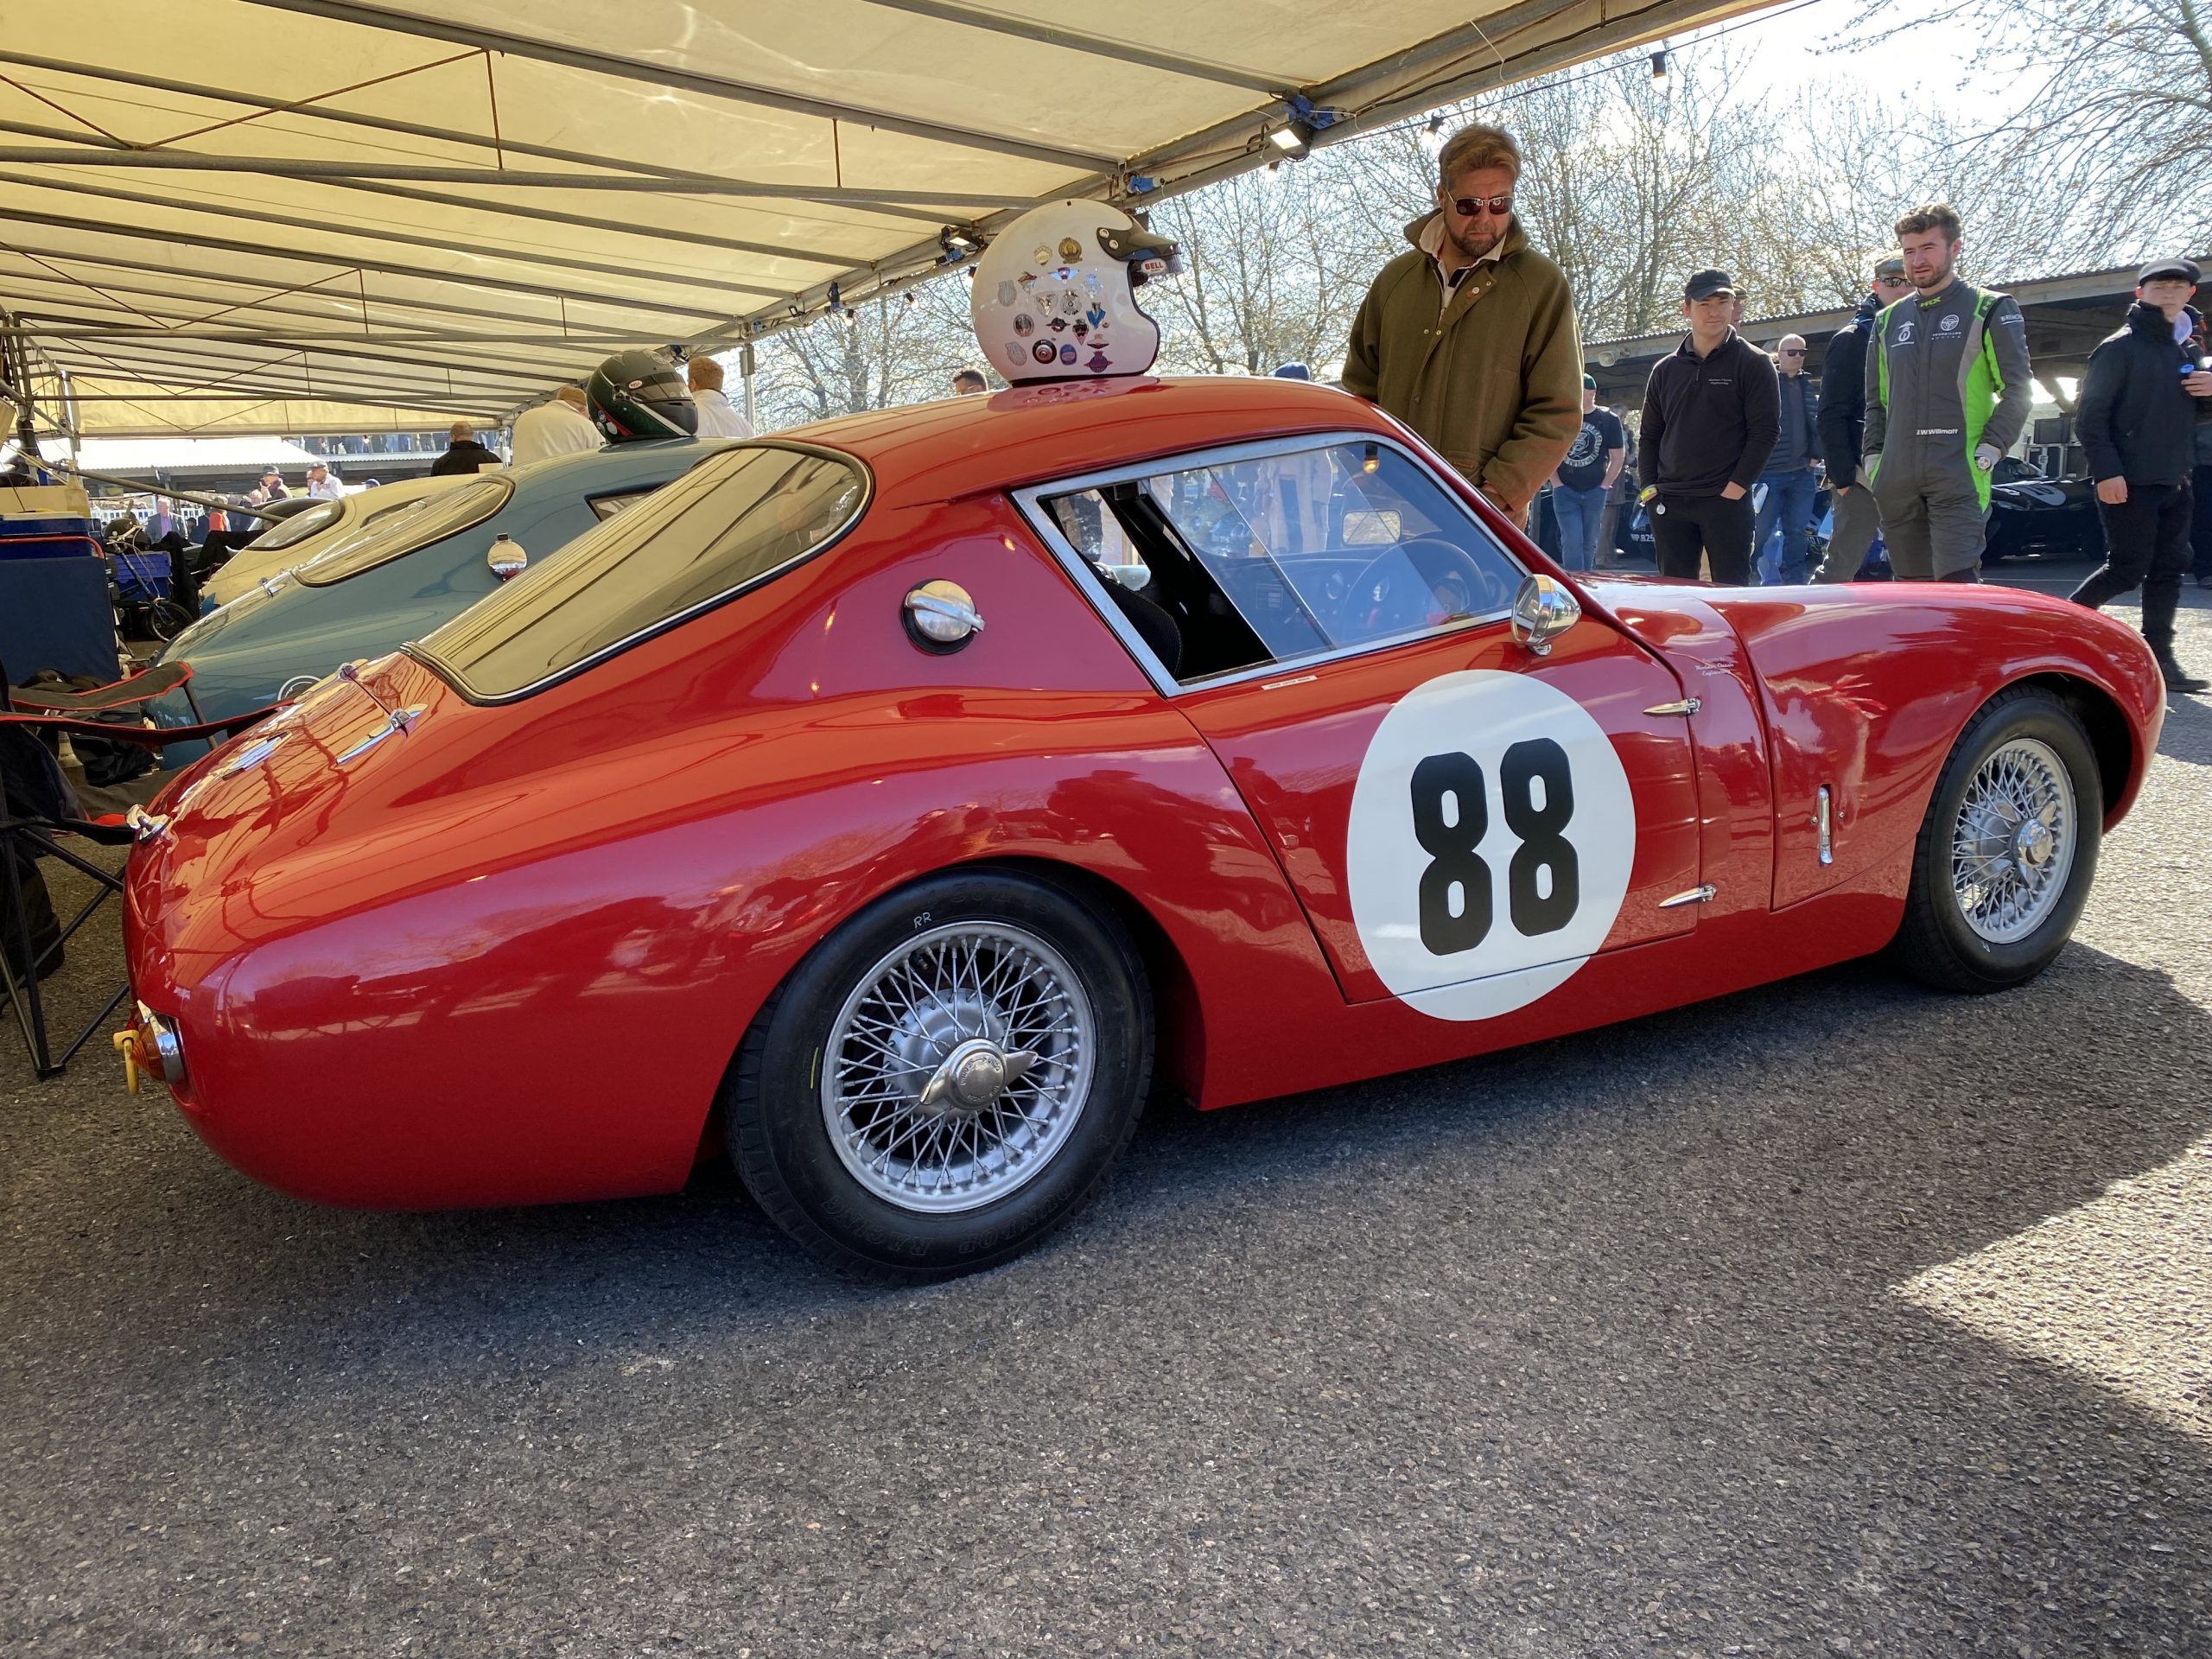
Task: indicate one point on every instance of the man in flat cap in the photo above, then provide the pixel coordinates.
(2142, 400)
(1712, 412)
(1947, 392)
(1843, 425)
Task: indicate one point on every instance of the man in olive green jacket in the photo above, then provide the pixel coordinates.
(1470, 338)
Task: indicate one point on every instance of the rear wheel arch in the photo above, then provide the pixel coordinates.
(1178, 1043)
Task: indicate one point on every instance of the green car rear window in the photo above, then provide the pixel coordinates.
(288, 531)
(736, 519)
(391, 535)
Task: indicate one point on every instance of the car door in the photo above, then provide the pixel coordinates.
(1465, 821)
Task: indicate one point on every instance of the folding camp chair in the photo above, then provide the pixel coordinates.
(38, 805)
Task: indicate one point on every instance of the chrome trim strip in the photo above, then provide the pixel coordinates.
(1029, 501)
(1824, 821)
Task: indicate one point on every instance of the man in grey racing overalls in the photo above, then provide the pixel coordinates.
(1948, 392)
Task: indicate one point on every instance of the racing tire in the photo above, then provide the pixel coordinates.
(2006, 855)
(947, 1077)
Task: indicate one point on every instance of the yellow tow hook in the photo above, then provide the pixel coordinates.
(126, 1044)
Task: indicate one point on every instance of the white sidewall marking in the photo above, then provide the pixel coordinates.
(1481, 713)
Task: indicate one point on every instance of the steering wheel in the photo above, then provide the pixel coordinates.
(1421, 582)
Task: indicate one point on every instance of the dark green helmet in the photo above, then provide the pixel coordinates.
(635, 394)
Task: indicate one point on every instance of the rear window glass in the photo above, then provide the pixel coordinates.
(733, 520)
(393, 535)
(288, 531)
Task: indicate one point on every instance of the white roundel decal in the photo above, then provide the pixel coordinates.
(1492, 832)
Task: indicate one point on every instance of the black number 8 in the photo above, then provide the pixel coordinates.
(1451, 849)
(1455, 863)
(1542, 846)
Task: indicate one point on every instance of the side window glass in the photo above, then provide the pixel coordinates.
(1346, 545)
(1229, 567)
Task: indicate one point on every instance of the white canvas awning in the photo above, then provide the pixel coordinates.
(333, 215)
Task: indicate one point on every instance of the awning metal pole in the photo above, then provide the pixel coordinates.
(89, 151)
(668, 76)
(888, 201)
(136, 488)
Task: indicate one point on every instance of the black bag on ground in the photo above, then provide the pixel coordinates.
(107, 761)
(23, 894)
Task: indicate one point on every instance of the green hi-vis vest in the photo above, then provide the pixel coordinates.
(1978, 391)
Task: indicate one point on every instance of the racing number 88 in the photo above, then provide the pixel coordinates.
(1454, 862)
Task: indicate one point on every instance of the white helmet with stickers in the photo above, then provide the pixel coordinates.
(1054, 293)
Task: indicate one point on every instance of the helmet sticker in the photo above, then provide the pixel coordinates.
(1052, 287)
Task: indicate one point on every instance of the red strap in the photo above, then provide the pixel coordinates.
(141, 687)
(145, 737)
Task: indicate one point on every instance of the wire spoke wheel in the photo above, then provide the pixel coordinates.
(958, 1066)
(2014, 841)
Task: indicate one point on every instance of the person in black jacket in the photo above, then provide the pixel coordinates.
(2140, 403)
(1843, 426)
(463, 454)
(1712, 412)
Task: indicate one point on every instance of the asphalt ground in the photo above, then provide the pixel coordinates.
(1835, 1317)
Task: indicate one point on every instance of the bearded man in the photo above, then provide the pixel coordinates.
(1469, 337)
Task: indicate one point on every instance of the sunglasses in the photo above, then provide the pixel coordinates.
(1470, 207)
(1789, 353)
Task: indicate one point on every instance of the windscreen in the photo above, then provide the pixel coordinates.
(391, 535)
(735, 519)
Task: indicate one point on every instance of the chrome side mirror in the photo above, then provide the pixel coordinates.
(1543, 609)
(940, 616)
(507, 558)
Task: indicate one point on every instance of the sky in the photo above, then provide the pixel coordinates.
(1787, 48)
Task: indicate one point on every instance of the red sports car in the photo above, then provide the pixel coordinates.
(896, 803)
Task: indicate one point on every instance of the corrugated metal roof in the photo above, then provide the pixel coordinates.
(175, 455)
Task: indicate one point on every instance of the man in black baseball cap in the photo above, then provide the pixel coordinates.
(1712, 412)
(2146, 391)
